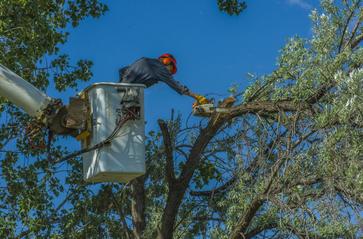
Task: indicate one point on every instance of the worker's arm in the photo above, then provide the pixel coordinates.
(175, 85)
(183, 90)
(163, 75)
(121, 73)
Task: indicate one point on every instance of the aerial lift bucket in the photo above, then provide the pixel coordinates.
(124, 157)
(103, 115)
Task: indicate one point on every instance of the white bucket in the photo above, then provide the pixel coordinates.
(124, 158)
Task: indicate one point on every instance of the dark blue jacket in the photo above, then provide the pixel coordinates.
(149, 71)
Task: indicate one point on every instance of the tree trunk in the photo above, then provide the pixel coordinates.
(138, 206)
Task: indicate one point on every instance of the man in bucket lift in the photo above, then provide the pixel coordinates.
(150, 71)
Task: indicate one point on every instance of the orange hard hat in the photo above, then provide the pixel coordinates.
(169, 59)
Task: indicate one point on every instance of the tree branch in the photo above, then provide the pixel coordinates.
(346, 193)
(210, 193)
(345, 29)
(220, 189)
(138, 206)
(260, 228)
(170, 175)
(177, 190)
(266, 107)
(122, 217)
(244, 221)
(354, 31)
(356, 41)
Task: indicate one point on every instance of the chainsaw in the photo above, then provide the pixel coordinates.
(206, 110)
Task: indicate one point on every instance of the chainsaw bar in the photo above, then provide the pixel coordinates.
(207, 110)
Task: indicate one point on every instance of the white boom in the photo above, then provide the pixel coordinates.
(21, 93)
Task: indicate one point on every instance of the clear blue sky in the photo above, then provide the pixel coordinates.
(213, 50)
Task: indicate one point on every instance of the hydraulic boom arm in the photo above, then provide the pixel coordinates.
(52, 113)
(21, 93)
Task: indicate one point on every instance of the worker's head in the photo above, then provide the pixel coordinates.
(169, 61)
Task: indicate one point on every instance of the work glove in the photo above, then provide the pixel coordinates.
(200, 100)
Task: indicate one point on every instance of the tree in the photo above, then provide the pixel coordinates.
(232, 7)
(31, 32)
(286, 162)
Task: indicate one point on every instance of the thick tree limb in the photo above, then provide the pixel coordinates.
(170, 175)
(138, 206)
(266, 107)
(177, 190)
(245, 220)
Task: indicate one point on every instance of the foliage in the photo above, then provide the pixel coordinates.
(286, 162)
(232, 7)
(31, 33)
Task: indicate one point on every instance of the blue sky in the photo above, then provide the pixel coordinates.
(213, 50)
